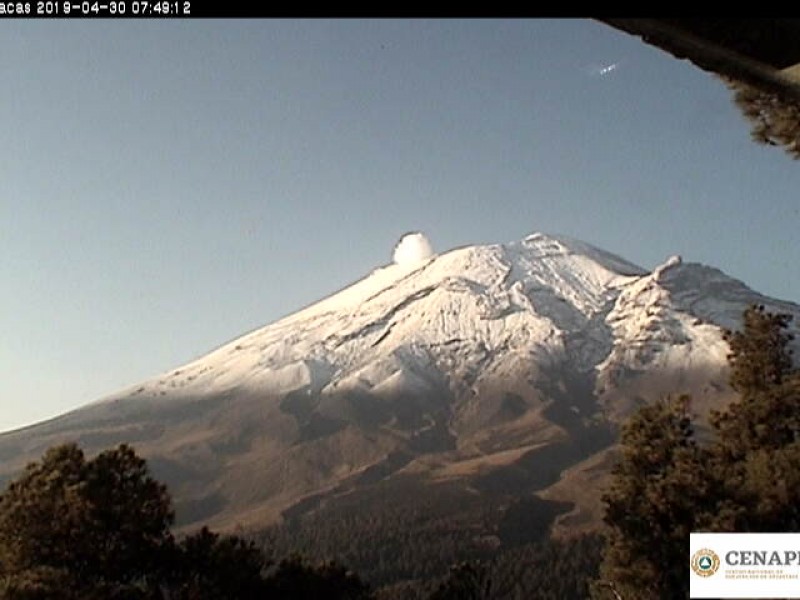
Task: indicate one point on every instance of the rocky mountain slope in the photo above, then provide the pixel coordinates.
(490, 372)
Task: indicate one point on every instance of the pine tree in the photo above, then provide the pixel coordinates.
(760, 357)
(655, 500)
(72, 528)
(296, 578)
(99, 529)
(775, 119)
(466, 581)
(756, 450)
(746, 479)
(210, 567)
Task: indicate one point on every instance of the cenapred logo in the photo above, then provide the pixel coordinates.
(705, 562)
(744, 565)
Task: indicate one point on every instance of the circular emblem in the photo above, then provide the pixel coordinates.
(705, 562)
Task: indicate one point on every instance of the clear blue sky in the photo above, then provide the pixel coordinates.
(168, 186)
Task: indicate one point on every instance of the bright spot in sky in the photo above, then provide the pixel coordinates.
(412, 248)
(607, 69)
(604, 69)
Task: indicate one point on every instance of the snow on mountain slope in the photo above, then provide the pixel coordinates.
(500, 364)
(454, 311)
(668, 335)
(488, 322)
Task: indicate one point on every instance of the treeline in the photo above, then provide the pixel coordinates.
(391, 532)
(745, 479)
(421, 562)
(552, 570)
(100, 529)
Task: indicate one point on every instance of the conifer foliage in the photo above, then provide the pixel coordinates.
(99, 529)
(775, 119)
(760, 356)
(747, 478)
(76, 528)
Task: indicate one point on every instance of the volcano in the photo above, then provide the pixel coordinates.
(485, 374)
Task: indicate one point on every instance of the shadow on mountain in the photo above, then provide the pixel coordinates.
(528, 520)
(197, 509)
(421, 415)
(306, 505)
(393, 463)
(407, 527)
(318, 427)
(573, 407)
(534, 471)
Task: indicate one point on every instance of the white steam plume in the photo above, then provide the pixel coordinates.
(412, 248)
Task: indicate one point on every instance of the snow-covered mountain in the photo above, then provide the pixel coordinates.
(504, 369)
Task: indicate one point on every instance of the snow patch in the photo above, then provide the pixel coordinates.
(401, 381)
(478, 315)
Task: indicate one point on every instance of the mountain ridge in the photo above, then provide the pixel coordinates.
(491, 368)
(385, 279)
